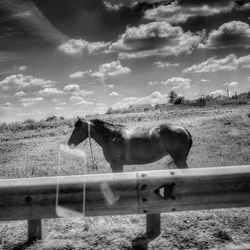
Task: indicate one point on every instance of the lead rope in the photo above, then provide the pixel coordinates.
(90, 145)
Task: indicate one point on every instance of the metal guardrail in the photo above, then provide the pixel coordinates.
(145, 192)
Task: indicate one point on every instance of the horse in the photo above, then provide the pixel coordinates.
(124, 146)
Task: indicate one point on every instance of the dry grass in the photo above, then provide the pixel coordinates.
(221, 137)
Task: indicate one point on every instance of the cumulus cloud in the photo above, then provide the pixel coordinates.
(178, 82)
(114, 94)
(152, 39)
(110, 69)
(228, 63)
(155, 98)
(29, 101)
(20, 93)
(22, 68)
(112, 6)
(161, 64)
(83, 92)
(79, 100)
(174, 83)
(113, 68)
(174, 13)
(152, 83)
(80, 46)
(50, 91)
(230, 34)
(77, 75)
(71, 88)
(218, 92)
(22, 81)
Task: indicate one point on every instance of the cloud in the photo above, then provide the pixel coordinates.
(80, 46)
(71, 88)
(22, 81)
(112, 6)
(20, 93)
(231, 84)
(218, 92)
(31, 19)
(114, 94)
(230, 34)
(177, 82)
(50, 91)
(152, 83)
(79, 74)
(228, 63)
(29, 101)
(155, 98)
(22, 68)
(116, 4)
(152, 39)
(248, 78)
(110, 85)
(59, 108)
(175, 14)
(111, 69)
(79, 100)
(174, 83)
(83, 92)
(205, 80)
(161, 64)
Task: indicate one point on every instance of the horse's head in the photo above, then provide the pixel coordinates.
(80, 132)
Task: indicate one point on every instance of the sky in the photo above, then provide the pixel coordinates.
(79, 57)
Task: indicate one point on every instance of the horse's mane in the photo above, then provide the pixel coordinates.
(101, 123)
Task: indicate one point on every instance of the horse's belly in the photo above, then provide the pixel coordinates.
(144, 155)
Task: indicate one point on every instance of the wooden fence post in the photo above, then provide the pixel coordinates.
(153, 225)
(34, 230)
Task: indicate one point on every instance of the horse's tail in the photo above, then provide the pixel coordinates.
(190, 140)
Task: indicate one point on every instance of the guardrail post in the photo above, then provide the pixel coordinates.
(153, 225)
(34, 230)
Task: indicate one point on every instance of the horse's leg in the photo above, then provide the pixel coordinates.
(116, 167)
(180, 160)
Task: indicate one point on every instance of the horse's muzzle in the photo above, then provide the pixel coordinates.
(70, 144)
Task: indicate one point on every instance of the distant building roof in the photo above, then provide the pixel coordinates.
(163, 105)
(140, 106)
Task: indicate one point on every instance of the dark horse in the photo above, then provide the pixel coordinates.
(123, 146)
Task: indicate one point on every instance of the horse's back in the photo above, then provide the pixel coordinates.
(140, 133)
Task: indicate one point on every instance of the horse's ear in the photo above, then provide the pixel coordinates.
(78, 118)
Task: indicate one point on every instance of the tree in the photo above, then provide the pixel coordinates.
(109, 111)
(172, 96)
(179, 99)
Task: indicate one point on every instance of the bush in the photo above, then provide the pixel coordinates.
(179, 100)
(52, 118)
(29, 121)
(201, 102)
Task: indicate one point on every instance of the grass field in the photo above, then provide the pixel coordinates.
(221, 138)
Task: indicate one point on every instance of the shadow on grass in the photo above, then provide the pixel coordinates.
(22, 246)
(141, 242)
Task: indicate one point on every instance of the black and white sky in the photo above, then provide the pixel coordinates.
(76, 57)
